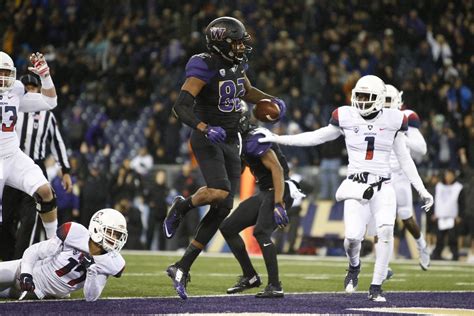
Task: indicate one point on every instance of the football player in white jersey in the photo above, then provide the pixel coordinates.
(371, 133)
(16, 168)
(75, 258)
(417, 147)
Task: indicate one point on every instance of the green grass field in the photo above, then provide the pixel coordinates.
(144, 275)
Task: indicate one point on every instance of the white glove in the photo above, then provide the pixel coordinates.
(427, 200)
(269, 136)
(40, 66)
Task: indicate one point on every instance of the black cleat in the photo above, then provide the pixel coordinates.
(352, 279)
(271, 291)
(245, 283)
(376, 293)
(180, 280)
(172, 220)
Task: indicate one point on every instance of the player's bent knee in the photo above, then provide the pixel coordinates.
(227, 202)
(351, 242)
(45, 192)
(216, 195)
(43, 205)
(261, 237)
(385, 233)
(405, 213)
(222, 213)
(226, 229)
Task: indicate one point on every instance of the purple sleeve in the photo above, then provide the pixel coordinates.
(197, 67)
(253, 148)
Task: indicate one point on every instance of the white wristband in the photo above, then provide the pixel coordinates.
(47, 82)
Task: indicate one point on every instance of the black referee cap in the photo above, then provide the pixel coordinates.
(30, 79)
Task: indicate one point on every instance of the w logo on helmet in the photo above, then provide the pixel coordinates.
(217, 33)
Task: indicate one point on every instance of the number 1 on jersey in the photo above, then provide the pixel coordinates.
(369, 154)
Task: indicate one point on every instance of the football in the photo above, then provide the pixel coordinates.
(266, 111)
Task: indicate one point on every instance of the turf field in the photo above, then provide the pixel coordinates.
(311, 284)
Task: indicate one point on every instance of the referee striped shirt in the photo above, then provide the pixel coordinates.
(38, 133)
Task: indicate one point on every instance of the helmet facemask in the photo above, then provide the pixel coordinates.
(113, 238)
(367, 103)
(7, 78)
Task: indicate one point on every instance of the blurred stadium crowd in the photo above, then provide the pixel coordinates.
(119, 66)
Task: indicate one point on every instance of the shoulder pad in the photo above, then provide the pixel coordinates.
(198, 67)
(63, 230)
(74, 235)
(413, 118)
(334, 120)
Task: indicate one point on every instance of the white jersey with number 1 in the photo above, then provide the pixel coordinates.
(369, 143)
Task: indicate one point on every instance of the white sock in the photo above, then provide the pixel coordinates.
(421, 242)
(50, 228)
(383, 252)
(352, 248)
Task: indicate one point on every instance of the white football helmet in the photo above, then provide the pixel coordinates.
(108, 228)
(393, 98)
(7, 73)
(368, 95)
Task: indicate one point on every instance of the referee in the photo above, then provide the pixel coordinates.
(36, 130)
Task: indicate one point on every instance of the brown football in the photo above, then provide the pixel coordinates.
(266, 111)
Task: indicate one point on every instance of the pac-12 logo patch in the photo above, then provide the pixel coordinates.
(222, 72)
(356, 129)
(217, 33)
(370, 127)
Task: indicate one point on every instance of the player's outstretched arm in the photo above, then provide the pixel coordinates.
(409, 168)
(307, 139)
(416, 142)
(47, 99)
(94, 285)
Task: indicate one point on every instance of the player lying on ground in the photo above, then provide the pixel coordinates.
(266, 210)
(371, 133)
(75, 258)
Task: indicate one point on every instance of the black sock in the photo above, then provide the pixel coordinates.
(185, 206)
(236, 244)
(270, 257)
(191, 253)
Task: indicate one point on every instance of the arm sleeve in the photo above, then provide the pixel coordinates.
(406, 162)
(39, 251)
(314, 138)
(95, 283)
(415, 141)
(183, 109)
(33, 102)
(57, 146)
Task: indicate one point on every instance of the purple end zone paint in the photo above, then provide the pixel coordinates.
(297, 303)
